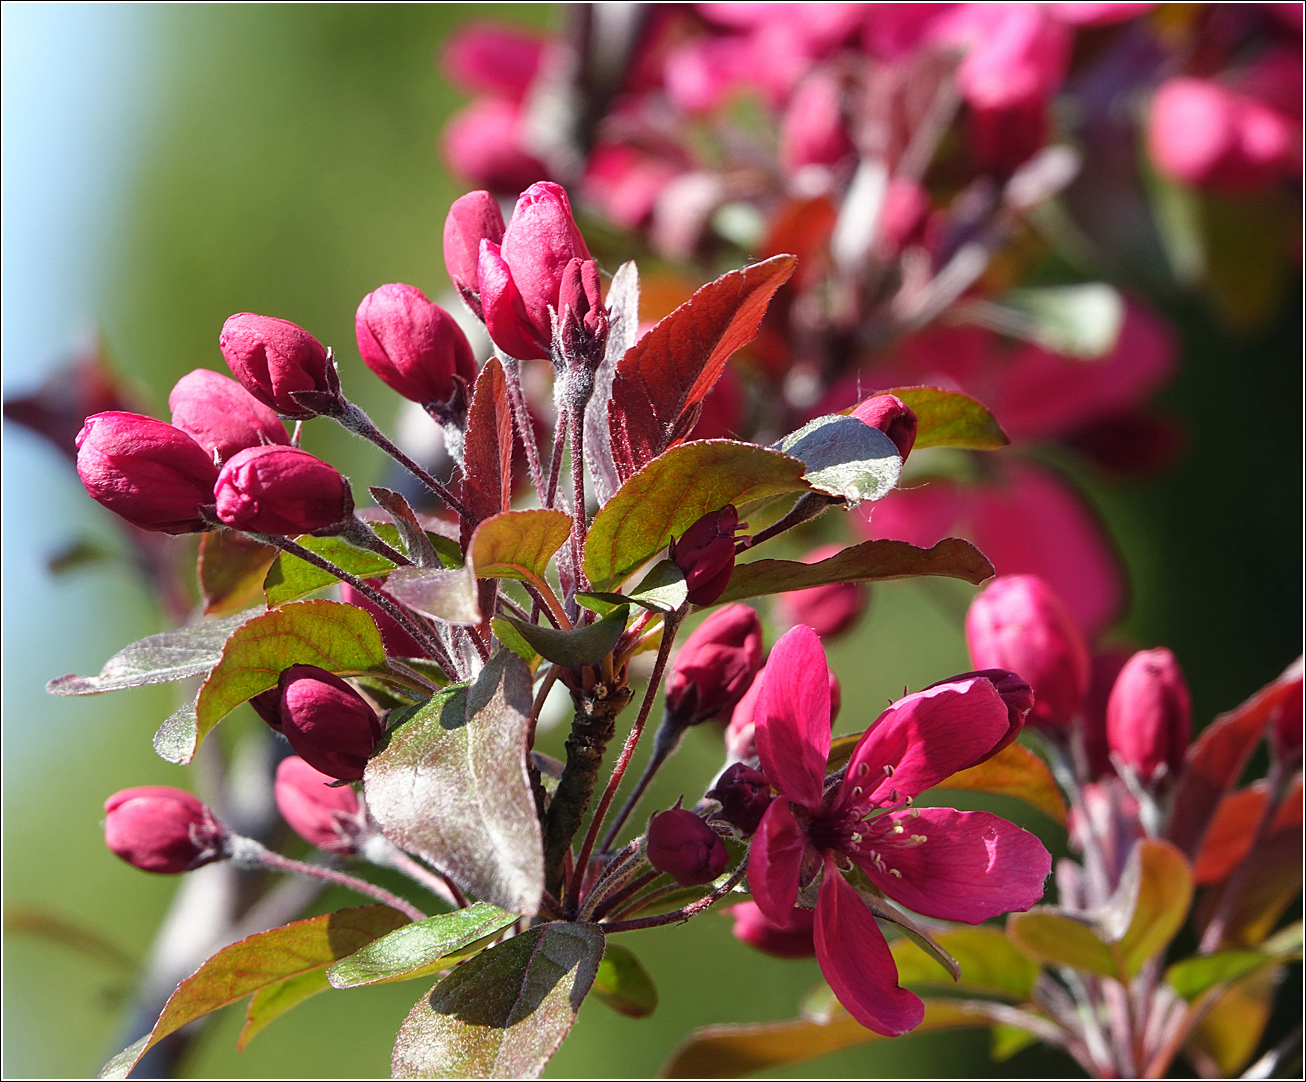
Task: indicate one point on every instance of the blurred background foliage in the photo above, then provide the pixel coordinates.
(282, 159)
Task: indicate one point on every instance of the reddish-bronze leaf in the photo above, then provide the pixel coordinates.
(1229, 837)
(231, 569)
(487, 453)
(665, 376)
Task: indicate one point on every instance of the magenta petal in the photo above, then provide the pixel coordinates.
(972, 866)
(775, 861)
(856, 962)
(793, 717)
(925, 737)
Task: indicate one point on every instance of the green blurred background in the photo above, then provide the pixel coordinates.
(167, 166)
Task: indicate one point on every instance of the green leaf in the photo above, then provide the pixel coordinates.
(451, 785)
(730, 1051)
(1008, 1040)
(1017, 772)
(505, 1012)
(678, 487)
(418, 949)
(257, 962)
(1073, 320)
(290, 578)
(231, 569)
(1051, 935)
(270, 1003)
(1193, 976)
(624, 984)
(1231, 1029)
(663, 589)
(172, 655)
(951, 419)
(845, 457)
(509, 636)
(445, 594)
(587, 645)
(1164, 894)
(175, 739)
(518, 544)
(338, 638)
(871, 561)
(990, 964)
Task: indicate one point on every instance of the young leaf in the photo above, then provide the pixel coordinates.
(623, 332)
(421, 948)
(845, 457)
(1014, 771)
(451, 785)
(447, 594)
(663, 589)
(261, 961)
(587, 645)
(270, 1003)
(990, 964)
(951, 419)
(505, 1012)
(664, 498)
(338, 638)
(174, 740)
(667, 373)
(870, 561)
(518, 544)
(1073, 320)
(1064, 939)
(624, 984)
(1267, 887)
(487, 452)
(1231, 1030)
(171, 655)
(730, 1051)
(231, 568)
(416, 544)
(1164, 894)
(290, 578)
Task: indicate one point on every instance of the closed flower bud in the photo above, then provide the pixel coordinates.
(160, 829)
(267, 705)
(473, 218)
(152, 474)
(582, 318)
(327, 722)
(715, 666)
(1017, 623)
(892, 416)
(1149, 716)
(417, 349)
(503, 310)
(705, 552)
(741, 732)
(274, 359)
(1016, 694)
(813, 131)
(221, 416)
(397, 641)
(796, 939)
(281, 490)
(324, 815)
(828, 610)
(745, 794)
(485, 143)
(685, 847)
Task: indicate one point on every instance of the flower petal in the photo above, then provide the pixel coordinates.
(856, 962)
(775, 862)
(972, 866)
(926, 737)
(793, 717)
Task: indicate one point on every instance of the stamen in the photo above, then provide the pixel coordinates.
(855, 838)
(919, 839)
(895, 873)
(888, 770)
(915, 813)
(897, 827)
(862, 770)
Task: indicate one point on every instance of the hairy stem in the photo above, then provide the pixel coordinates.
(680, 915)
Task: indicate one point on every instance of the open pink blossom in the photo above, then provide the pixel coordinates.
(939, 862)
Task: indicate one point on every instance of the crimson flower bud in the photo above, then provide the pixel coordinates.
(685, 847)
(473, 218)
(715, 666)
(485, 142)
(397, 641)
(828, 610)
(267, 705)
(503, 309)
(324, 815)
(813, 131)
(892, 416)
(327, 722)
(741, 732)
(160, 829)
(274, 359)
(150, 473)
(836, 697)
(796, 939)
(705, 552)
(745, 794)
(221, 416)
(1016, 694)
(417, 349)
(582, 318)
(1149, 716)
(281, 490)
(1017, 623)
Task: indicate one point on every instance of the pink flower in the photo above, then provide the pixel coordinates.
(472, 218)
(489, 58)
(942, 863)
(715, 666)
(486, 143)
(791, 940)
